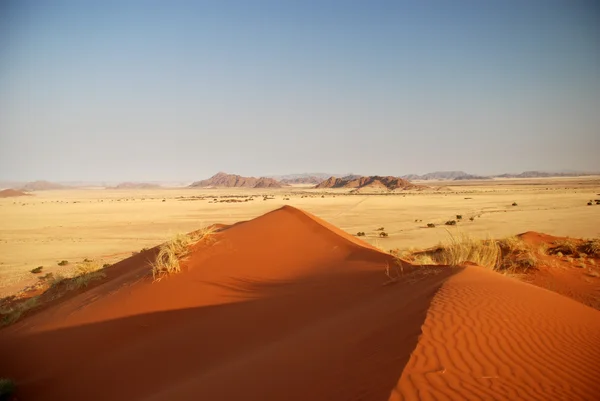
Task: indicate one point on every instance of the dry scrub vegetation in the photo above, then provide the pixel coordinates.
(52, 286)
(173, 251)
(509, 255)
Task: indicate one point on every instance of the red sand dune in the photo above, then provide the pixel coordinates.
(288, 307)
(9, 193)
(567, 275)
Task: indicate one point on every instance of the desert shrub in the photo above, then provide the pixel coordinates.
(405, 254)
(516, 255)
(462, 248)
(566, 247)
(7, 388)
(472, 218)
(172, 251)
(430, 225)
(63, 263)
(380, 229)
(360, 234)
(589, 203)
(459, 217)
(46, 278)
(514, 204)
(37, 270)
(451, 223)
(86, 272)
(522, 261)
(423, 259)
(167, 260)
(383, 234)
(591, 248)
(13, 313)
(86, 260)
(511, 245)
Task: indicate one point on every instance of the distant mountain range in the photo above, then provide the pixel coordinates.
(321, 176)
(231, 180)
(42, 186)
(461, 175)
(377, 182)
(236, 181)
(312, 180)
(135, 185)
(542, 174)
(444, 175)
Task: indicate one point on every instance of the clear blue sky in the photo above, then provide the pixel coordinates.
(169, 90)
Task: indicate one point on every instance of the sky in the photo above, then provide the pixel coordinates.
(179, 90)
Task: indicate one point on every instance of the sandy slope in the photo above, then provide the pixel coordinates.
(288, 307)
(487, 336)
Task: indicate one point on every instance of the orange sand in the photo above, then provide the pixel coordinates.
(287, 307)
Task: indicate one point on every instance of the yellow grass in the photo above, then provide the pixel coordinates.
(592, 247)
(461, 248)
(13, 314)
(86, 272)
(423, 259)
(171, 252)
(509, 255)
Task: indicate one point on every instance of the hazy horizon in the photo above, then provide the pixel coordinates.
(177, 91)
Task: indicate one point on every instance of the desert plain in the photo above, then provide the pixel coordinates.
(111, 224)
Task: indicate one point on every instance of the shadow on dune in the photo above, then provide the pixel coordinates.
(341, 336)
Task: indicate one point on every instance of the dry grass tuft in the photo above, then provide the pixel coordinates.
(591, 247)
(516, 256)
(86, 272)
(462, 248)
(171, 252)
(566, 247)
(510, 255)
(12, 314)
(423, 259)
(512, 244)
(394, 272)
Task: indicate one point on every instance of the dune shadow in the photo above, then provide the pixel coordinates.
(339, 336)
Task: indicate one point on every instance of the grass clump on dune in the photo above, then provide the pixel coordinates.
(591, 248)
(12, 314)
(86, 272)
(462, 248)
(171, 252)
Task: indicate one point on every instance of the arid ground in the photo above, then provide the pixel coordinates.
(110, 224)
